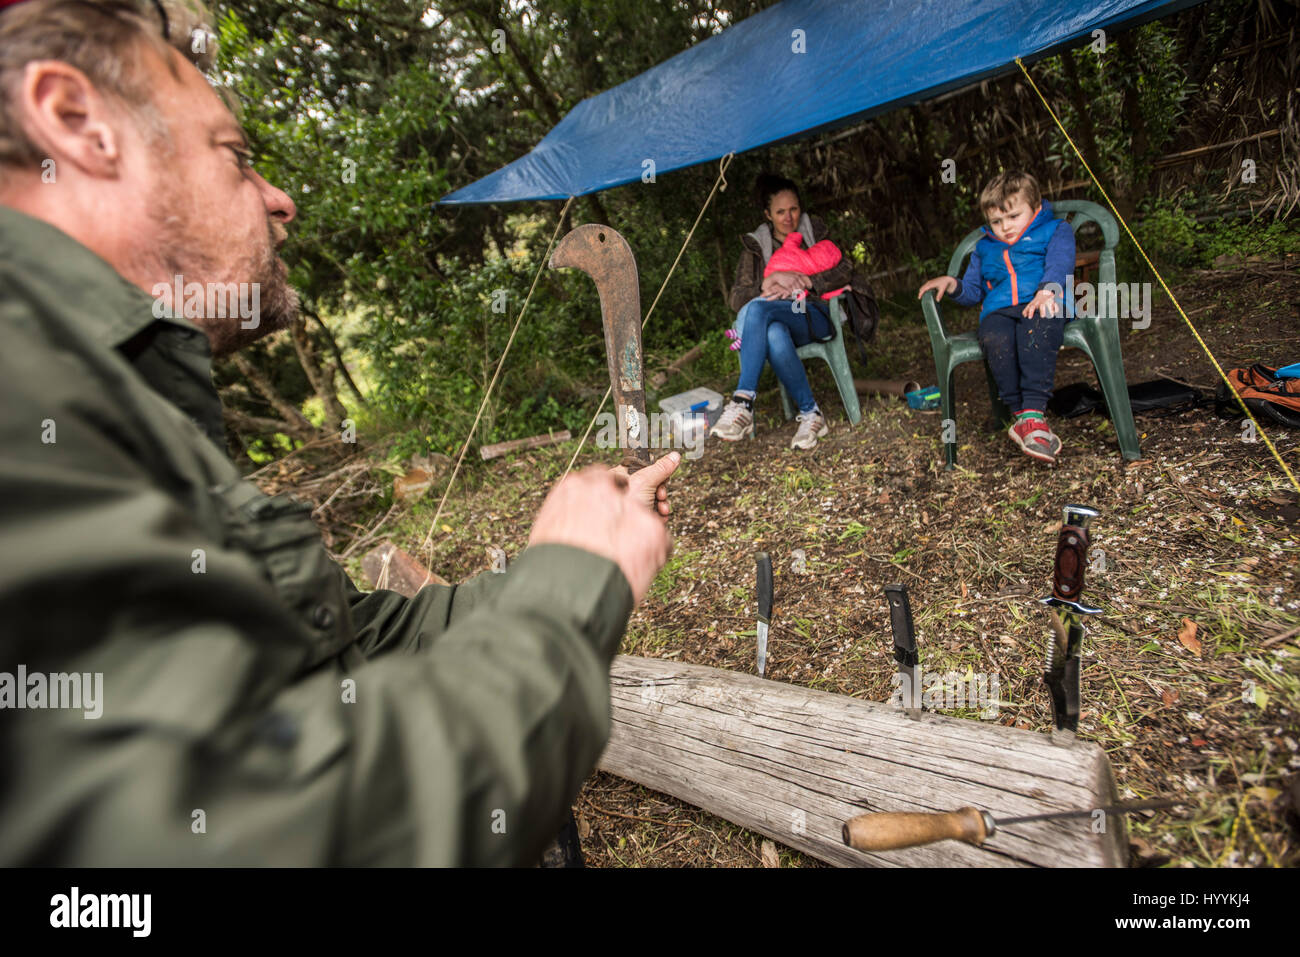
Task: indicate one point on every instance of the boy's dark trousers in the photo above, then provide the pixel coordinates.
(1021, 354)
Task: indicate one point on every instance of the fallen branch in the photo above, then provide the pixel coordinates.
(370, 536)
(499, 449)
(659, 378)
(632, 817)
(297, 422)
(1280, 637)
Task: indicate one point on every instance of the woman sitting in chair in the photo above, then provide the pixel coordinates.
(781, 307)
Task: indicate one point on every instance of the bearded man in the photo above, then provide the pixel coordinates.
(252, 706)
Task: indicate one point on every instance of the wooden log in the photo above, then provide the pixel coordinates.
(499, 449)
(796, 764)
(387, 566)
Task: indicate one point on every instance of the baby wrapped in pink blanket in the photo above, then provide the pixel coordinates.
(792, 257)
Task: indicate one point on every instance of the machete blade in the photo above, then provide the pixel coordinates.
(605, 256)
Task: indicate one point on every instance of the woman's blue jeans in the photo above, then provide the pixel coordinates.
(770, 331)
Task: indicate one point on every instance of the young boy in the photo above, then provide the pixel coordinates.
(1024, 250)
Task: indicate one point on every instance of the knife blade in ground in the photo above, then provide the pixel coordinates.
(764, 563)
(900, 620)
(1061, 668)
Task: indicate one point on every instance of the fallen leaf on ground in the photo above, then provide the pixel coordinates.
(1168, 697)
(1187, 637)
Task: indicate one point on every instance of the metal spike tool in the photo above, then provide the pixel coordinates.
(1061, 669)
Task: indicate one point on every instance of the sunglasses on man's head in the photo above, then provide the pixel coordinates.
(177, 20)
(152, 6)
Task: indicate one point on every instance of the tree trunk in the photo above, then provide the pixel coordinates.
(1139, 143)
(1087, 134)
(598, 208)
(723, 287)
(338, 354)
(295, 422)
(542, 92)
(322, 382)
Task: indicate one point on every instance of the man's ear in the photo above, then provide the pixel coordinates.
(67, 117)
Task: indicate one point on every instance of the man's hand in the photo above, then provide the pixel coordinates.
(596, 510)
(941, 285)
(1044, 302)
(648, 485)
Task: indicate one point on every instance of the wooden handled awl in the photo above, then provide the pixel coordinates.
(890, 830)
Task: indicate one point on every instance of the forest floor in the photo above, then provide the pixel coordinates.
(1191, 675)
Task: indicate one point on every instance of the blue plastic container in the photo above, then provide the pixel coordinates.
(926, 399)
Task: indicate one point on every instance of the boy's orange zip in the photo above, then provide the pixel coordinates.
(1006, 256)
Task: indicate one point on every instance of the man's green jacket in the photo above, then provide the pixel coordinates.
(255, 707)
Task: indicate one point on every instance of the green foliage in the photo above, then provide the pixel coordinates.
(1171, 233)
(367, 114)
(1151, 66)
(1244, 238)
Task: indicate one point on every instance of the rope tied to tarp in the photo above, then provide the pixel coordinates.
(427, 546)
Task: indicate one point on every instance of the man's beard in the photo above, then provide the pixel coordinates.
(263, 270)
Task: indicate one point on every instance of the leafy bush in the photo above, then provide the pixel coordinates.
(1245, 238)
(1169, 234)
(1172, 235)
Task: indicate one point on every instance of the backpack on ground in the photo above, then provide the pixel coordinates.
(1273, 397)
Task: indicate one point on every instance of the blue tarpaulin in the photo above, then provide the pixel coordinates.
(796, 68)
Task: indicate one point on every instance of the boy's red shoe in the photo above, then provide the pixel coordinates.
(1034, 438)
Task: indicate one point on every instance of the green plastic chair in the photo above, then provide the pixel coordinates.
(1097, 335)
(836, 356)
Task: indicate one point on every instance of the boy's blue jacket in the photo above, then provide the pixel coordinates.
(1009, 274)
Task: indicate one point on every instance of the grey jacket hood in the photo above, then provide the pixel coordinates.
(767, 243)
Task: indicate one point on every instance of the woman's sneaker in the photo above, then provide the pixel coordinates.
(1035, 439)
(737, 422)
(812, 426)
